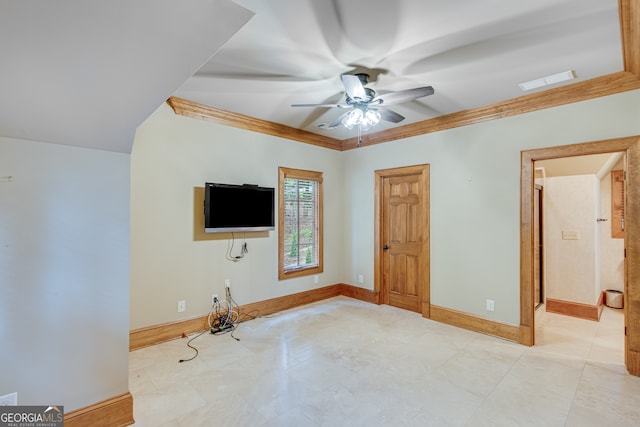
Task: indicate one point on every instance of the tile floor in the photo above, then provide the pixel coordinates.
(343, 362)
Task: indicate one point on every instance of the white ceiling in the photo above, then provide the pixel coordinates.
(473, 53)
(80, 72)
(87, 73)
(594, 164)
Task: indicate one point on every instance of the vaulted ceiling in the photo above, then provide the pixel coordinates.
(89, 73)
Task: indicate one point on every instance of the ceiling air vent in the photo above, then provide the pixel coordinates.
(549, 80)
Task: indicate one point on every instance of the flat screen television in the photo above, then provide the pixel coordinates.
(230, 208)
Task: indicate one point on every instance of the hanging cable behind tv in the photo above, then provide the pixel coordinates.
(243, 249)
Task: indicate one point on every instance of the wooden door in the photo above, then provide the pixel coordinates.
(631, 358)
(404, 230)
(538, 297)
(617, 204)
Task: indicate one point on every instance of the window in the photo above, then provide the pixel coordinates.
(299, 223)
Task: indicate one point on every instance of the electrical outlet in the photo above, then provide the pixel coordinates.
(360, 278)
(214, 297)
(490, 305)
(316, 279)
(182, 306)
(227, 283)
(10, 399)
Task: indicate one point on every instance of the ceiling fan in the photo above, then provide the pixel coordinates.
(365, 109)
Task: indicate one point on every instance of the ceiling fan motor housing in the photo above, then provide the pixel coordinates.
(369, 95)
(364, 78)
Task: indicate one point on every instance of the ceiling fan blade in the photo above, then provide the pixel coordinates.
(353, 86)
(336, 122)
(389, 115)
(318, 105)
(403, 95)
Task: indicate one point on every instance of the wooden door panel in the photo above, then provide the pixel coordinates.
(397, 223)
(405, 275)
(406, 293)
(413, 277)
(414, 233)
(398, 270)
(617, 204)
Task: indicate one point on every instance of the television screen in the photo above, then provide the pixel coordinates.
(230, 208)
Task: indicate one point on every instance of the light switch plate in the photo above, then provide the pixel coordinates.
(570, 235)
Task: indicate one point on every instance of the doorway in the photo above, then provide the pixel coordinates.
(631, 147)
(584, 257)
(402, 268)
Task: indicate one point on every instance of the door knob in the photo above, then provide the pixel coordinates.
(385, 247)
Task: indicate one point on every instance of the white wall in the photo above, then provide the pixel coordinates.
(64, 273)
(572, 204)
(171, 156)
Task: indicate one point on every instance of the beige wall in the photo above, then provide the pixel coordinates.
(571, 205)
(171, 156)
(475, 191)
(475, 197)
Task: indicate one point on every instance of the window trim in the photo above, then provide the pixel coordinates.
(284, 173)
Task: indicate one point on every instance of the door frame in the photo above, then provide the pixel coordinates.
(378, 283)
(631, 147)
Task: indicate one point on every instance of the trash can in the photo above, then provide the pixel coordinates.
(614, 298)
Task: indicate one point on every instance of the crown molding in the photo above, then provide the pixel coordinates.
(187, 108)
(581, 91)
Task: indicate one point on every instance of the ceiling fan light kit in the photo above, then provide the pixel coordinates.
(365, 108)
(360, 117)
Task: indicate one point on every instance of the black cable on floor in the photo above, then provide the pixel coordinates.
(192, 347)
